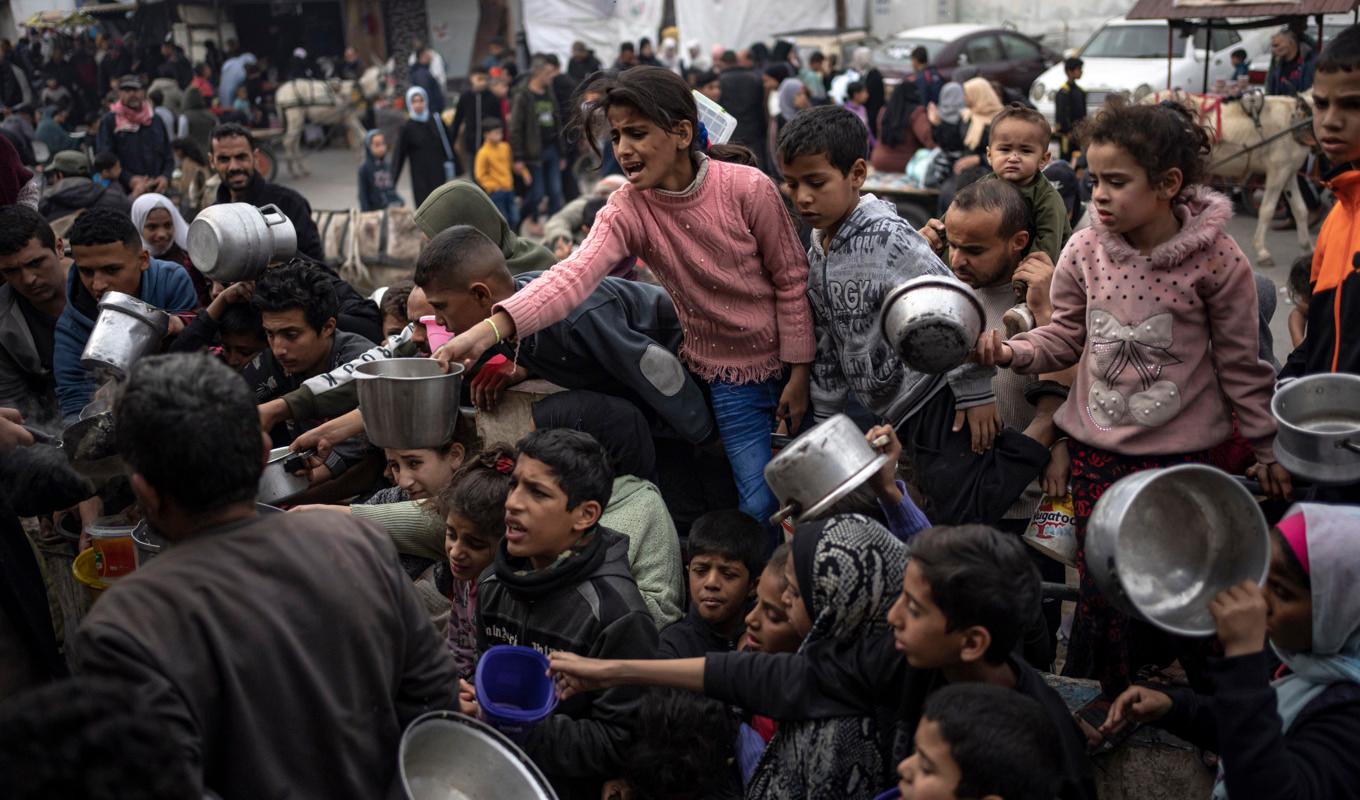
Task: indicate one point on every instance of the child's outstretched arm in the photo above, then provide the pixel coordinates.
(1059, 344)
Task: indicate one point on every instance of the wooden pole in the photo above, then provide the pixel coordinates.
(1208, 36)
(1170, 47)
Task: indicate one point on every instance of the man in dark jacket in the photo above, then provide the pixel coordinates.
(476, 104)
(583, 62)
(586, 604)
(287, 652)
(535, 129)
(743, 96)
(137, 136)
(233, 156)
(74, 191)
(31, 301)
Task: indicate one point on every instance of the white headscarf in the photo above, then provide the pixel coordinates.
(142, 208)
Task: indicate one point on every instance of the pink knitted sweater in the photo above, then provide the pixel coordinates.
(1161, 342)
(726, 252)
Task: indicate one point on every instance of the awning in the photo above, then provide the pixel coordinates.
(1225, 9)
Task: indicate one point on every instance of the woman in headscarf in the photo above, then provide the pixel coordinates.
(165, 235)
(793, 98)
(635, 505)
(670, 56)
(233, 76)
(983, 105)
(462, 202)
(844, 574)
(1295, 736)
(946, 118)
(427, 144)
(904, 128)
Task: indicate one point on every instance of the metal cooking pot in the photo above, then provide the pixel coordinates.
(819, 468)
(932, 322)
(236, 241)
(277, 482)
(1162, 543)
(447, 755)
(125, 330)
(1319, 428)
(409, 403)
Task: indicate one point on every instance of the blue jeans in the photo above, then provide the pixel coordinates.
(745, 416)
(508, 205)
(547, 181)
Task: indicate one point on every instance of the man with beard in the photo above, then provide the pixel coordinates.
(31, 300)
(133, 133)
(233, 156)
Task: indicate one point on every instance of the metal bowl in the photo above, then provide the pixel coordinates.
(277, 484)
(1319, 428)
(236, 241)
(409, 403)
(821, 467)
(932, 322)
(125, 330)
(1162, 543)
(448, 756)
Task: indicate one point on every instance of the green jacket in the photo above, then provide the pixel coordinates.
(1049, 226)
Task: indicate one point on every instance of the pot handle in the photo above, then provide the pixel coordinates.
(784, 513)
(272, 209)
(1349, 445)
(880, 443)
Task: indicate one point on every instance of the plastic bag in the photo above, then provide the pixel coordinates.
(1053, 529)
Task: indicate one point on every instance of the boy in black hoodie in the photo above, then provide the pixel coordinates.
(560, 583)
(726, 556)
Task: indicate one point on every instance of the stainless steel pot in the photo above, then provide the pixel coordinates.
(236, 241)
(1161, 544)
(819, 468)
(1319, 428)
(932, 322)
(277, 482)
(447, 755)
(409, 403)
(125, 330)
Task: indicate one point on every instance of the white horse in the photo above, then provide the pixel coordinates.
(309, 100)
(1279, 159)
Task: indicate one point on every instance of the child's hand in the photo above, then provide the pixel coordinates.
(992, 350)
(1036, 270)
(577, 674)
(984, 423)
(490, 381)
(1136, 704)
(617, 789)
(1240, 614)
(1274, 479)
(239, 292)
(467, 700)
(795, 399)
(1056, 474)
(885, 482)
(933, 232)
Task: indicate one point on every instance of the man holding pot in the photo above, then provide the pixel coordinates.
(286, 652)
(233, 156)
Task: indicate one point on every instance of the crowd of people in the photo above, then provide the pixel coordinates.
(702, 303)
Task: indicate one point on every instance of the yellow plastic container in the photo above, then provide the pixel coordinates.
(85, 571)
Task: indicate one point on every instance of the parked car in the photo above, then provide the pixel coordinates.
(1010, 58)
(1129, 56)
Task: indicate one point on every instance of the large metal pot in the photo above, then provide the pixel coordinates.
(236, 241)
(278, 481)
(1162, 543)
(819, 468)
(1319, 428)
(409, 403)
(448, 755)
(932, 322)
(125, 330)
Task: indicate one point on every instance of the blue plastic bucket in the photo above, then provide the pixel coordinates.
(891, 794)
(513, 688)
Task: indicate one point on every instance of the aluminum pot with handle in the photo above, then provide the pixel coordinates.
(820, 468)
(233, 242)
(1162, 543)
(278, 482)
(932, 322)
(1319, 428)
(409, 403)
(444, 754)
(125, 330)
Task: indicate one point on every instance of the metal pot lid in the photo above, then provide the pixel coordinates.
(843, 489)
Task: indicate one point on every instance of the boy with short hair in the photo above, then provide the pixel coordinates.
(1241, 69)
(560, 583)
(493, 170)
(981, 741)
(928, 79)
(1069, 107)
(1018, 152)
(1331, 344)
(726, 556)
(107, 169)
(862, 249)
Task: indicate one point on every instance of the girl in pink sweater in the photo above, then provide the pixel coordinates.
(1157, 307)
(719, 240)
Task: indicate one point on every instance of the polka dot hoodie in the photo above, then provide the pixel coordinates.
(1165, 345)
